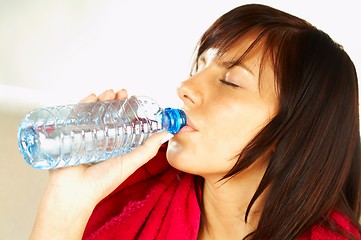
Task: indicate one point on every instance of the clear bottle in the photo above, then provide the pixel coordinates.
(61, 136)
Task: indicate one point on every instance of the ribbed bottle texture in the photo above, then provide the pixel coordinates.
(84, 133)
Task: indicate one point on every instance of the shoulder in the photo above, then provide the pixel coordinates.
(322, 232)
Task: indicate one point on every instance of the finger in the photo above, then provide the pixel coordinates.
(121, 94)
(106, 95)
(91, 98)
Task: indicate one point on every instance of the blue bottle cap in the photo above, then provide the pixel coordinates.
(176, 119)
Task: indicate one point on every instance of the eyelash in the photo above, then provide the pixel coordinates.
(228, 83)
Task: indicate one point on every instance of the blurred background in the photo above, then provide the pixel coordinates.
(57, 52)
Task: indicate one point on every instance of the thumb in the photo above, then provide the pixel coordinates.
(115, 170)
(142, 154)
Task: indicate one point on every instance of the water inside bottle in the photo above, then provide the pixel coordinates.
(91, 132)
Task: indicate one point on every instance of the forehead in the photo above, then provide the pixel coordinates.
(242, 53)
(246, 49)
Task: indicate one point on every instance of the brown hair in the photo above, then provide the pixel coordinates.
(315, 166)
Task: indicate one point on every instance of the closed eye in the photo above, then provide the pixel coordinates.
(229, 83)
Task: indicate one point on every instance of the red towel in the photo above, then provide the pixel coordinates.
(156, 202)
(321, 232)
(159, 202)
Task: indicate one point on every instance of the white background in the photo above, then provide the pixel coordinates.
(57, 52)
(64, 50)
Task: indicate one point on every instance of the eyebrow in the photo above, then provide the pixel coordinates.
(231, 64)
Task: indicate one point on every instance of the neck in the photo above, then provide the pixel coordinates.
(225, 204)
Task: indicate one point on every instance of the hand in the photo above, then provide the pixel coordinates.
(73, 192)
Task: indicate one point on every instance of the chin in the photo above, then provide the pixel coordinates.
(174, 154)
(180, 158)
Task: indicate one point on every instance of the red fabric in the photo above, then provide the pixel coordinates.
(156, 202)
(159, 202)
(321, 232)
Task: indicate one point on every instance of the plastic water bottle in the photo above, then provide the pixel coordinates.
(61, 136)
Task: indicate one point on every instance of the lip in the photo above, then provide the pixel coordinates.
(186, 129)
(189, 127)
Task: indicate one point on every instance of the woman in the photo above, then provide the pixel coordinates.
(271, 150)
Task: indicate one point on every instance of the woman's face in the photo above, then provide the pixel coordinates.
(225, 107)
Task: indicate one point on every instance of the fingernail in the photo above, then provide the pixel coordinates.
(167, 137)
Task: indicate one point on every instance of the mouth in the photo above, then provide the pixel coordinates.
(189, 127)
(186, 129)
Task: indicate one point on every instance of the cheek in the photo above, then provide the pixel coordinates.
(240, 127)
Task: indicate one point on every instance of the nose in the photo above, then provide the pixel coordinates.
(190, 92)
